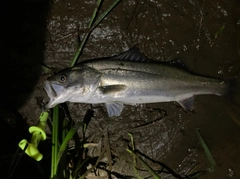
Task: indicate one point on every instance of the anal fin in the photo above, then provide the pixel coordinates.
(187, 104)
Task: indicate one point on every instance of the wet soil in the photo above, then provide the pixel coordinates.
(163, 31)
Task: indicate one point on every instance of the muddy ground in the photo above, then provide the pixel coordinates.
(48, 33)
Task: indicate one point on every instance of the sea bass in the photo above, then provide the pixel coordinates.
(128, 78)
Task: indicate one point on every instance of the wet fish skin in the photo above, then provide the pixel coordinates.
(118, 80)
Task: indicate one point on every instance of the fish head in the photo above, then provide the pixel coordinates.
(75, 84)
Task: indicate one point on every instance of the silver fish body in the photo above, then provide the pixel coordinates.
(119, 81)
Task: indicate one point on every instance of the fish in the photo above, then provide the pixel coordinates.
(129, 78)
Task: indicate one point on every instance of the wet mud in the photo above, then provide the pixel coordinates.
(164, 31)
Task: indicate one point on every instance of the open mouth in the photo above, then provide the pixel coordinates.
(49, 89)
(53, 91)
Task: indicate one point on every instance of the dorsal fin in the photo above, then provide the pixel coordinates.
(132, 54)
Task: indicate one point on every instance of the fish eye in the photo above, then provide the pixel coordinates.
(62, 78)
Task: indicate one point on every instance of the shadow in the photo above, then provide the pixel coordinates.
(23, 29)
(22, 46)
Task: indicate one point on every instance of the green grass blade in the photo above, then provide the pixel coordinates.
(45, 69)
(94, 13)
(55, 140)
(79, 50)
(134, 158)
(79, 166)
(148, 168)
(94, 166)
(68, 137)
(64, 129)
(104, 14)
(132, 142)
(206, 151)
(219, 31)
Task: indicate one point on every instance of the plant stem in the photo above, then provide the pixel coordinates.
(55, 140)
(79, 50)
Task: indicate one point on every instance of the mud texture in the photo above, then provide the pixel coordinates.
(43, 33)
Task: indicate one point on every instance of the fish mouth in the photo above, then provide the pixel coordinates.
(53, 91)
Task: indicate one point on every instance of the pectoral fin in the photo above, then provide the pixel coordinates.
(114, 108)
(187, 104)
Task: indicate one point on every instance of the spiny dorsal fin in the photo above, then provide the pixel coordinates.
(132, 54)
